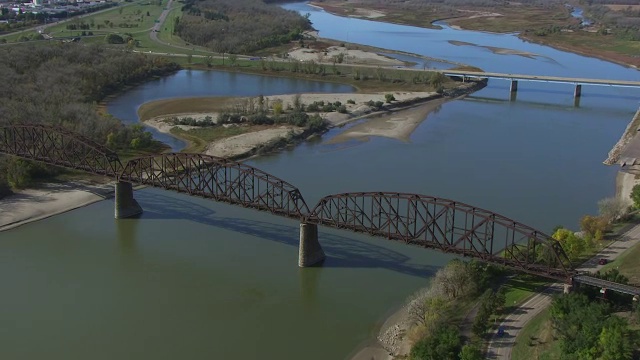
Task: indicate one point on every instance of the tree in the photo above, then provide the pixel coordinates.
(612, 209)
(614, 342)
(635, 196)
(590, 224)
(233, 58)
(471, 352)
(19, 173)
(572, 244)
(114, 38)
(436, 79)
(453, 280)
(445, 344)
(297, 103)
(578, 323)
(277, 107)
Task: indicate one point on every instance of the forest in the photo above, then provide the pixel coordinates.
(60, 84)
(240, 26)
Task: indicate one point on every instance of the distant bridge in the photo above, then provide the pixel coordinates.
(514, 78)
(440, 224)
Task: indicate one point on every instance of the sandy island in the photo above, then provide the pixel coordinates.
(406, 117)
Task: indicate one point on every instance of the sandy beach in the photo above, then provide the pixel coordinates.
(47, 200)
(349, 56)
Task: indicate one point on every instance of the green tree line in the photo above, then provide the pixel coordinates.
(60, 84)
(239, 26)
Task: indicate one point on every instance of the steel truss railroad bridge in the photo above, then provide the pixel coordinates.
(444, 225)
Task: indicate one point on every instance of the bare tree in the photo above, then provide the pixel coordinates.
(613, 208)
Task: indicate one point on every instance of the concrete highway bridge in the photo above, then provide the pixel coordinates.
(440, 224)
(515, 78)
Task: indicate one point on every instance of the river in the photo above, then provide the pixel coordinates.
(195, 279)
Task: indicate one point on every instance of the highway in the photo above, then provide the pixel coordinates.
(500, 347)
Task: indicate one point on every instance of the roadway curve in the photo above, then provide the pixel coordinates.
(500, 347)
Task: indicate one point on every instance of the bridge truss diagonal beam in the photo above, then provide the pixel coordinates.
(58, 146)
(218, 179)
(445, 225)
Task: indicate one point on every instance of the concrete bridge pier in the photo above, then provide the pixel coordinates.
(578, 91)
(125, 205)
(514, 86)
(567, 288)
(309, 252)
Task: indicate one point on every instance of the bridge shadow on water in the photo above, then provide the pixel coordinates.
(342, 251)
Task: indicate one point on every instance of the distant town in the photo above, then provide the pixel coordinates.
(15, 15)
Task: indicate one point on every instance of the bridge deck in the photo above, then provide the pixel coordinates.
(541, 78)
(610, 285)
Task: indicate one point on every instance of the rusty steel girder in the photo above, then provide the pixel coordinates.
(218, 179)
(448, 226)
(58, 146)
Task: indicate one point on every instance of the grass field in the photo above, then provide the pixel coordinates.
(520, 288)
(593, 44)
(137, 17)
(183, 105)
(198, 139)
(627, 264)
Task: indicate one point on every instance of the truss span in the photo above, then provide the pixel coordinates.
(448, 226)
(58, 146)
(218, 179)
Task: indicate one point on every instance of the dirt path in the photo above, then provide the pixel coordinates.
(500, 347)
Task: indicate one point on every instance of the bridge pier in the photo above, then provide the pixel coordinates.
(125, 205)
(309, 252)
(567, 288)
(578, 91)
(514, 86)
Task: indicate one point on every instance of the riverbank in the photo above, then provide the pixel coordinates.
(627, 149)
(390, 340)
(46, 200)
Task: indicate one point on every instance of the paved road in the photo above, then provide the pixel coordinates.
(163, 16)
(500, 347)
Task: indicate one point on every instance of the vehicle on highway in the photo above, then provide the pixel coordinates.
(501, 331)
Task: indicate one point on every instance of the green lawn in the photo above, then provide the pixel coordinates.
(130, 18)
(520, 288)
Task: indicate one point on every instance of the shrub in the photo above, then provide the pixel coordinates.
(342, 109)
(350, 101)
(389, 98)
(635, 196)
(114, 39)
(261, 119)
(313, 107)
